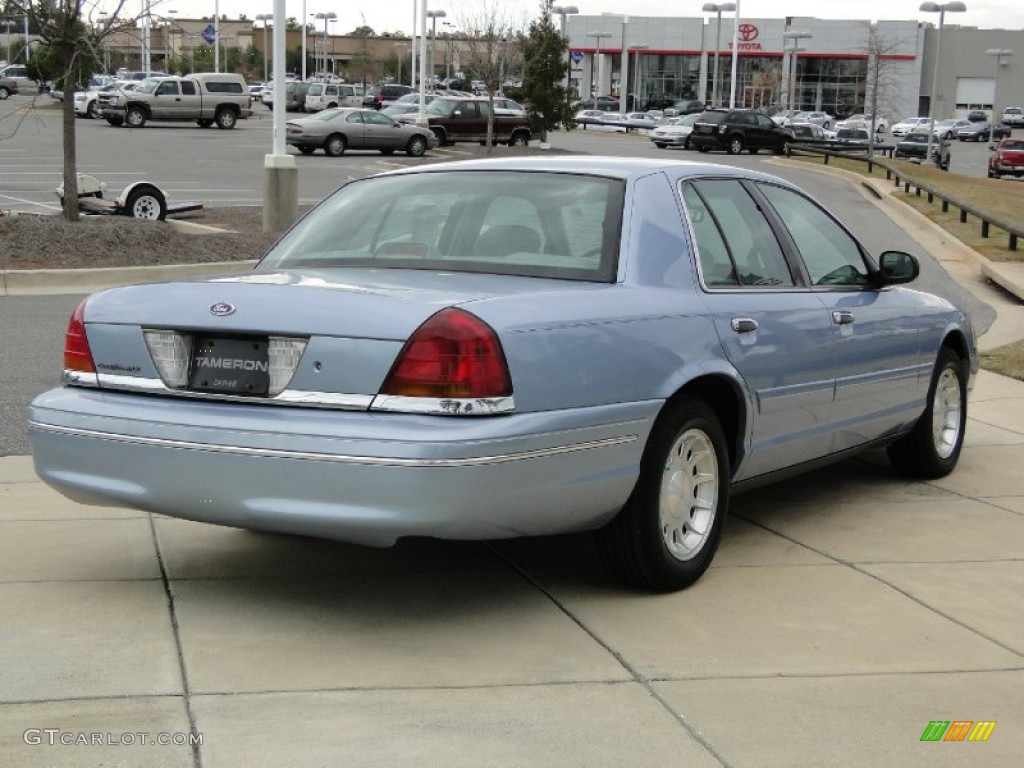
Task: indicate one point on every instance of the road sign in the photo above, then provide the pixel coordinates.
(210, 34)
(577, 56)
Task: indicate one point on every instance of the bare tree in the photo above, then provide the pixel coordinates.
(75, 31)
(883, 87)
(492, 50)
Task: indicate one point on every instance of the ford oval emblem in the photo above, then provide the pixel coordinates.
(222, 308)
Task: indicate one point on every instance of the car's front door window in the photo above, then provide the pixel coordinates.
(831, 255)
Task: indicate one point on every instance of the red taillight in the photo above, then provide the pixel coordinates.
(453, 354)
(77, 355)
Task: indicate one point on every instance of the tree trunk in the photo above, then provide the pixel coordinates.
(490, 120)
(70, 147)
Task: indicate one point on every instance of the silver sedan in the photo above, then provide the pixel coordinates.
(337, 130)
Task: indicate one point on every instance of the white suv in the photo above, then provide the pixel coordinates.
(330, 95)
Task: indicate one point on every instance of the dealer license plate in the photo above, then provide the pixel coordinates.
(229, 365)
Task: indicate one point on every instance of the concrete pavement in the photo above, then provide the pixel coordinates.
(845, 611)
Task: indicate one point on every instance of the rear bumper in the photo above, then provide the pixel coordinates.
(363, 477)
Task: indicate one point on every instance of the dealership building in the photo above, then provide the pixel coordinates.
(834, 66)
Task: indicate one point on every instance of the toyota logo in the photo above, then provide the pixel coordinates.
(748, 32)
(222, 308)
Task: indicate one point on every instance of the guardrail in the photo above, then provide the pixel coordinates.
(900, 177)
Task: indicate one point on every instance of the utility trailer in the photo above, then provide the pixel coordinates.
(140, 200)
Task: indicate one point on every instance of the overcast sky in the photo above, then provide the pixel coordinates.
(396, 15)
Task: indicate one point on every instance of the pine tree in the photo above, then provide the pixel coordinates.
(544, 73)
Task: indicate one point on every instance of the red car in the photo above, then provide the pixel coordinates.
(1007, 159)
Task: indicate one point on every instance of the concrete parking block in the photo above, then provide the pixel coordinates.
(100, 639)
(804, 620)
(984, 596)
(131, 732)
(414, 630)
(77, 550)
(37, 501)
(866, 479)
(17, 469)
(533, 727)
(854, 722)
(986, 472)
(1007, 413)
(200, 551)
(920, 531)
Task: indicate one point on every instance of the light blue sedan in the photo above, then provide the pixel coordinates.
(515, 347)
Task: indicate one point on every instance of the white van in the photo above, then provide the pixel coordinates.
(330, 95)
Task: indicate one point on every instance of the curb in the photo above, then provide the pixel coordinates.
(35, 282)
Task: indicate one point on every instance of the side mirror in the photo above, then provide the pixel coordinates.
(896, 267)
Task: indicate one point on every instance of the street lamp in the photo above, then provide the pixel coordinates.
(998, 54)
(597, 58)
(717, 8)
(326, 17)
(636, 72)
(795, 49)
(433, 16)
(562, 11)
(265, 17)
(953, 7)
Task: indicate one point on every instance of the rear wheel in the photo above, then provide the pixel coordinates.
(115, 121)
(306, 149)
(93, 110)
(417, 146)
(754, 150)
(4, 93)
(735, 145)
(519, 139)
(660, 145)
(204, 122)
(226, 118)
(441, 139)
(335, 145)
(666, 535)
(146, 202)
(932, 448)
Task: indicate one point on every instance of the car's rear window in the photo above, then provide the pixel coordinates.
(535, 224)
(220, 86)
(711, 117)
(1014, 145)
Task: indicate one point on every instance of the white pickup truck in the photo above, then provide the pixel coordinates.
(206, 98)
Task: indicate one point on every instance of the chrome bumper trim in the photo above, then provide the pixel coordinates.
(378, 461)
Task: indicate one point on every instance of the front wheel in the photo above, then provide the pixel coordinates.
(932, 448)
(93, 110)
(666, 535)
(4, 93)
(417, 146)
(135, 117)
(146, 202)
(735, 145)
(335, 145)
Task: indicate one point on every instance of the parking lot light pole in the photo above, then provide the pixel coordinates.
(328, 16)
(597, 61)
(735, 55)
(795, 49)
(717, 8)
(953, 7)
(433, 16)
(1001, 55)
(281, 175)
(265, 17)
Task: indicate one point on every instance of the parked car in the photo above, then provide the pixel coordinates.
(853, 136)
(1013, 117)
(818, 118)
(863, 119)
(456, 350)
(908, 124)
(1007, 159)
(256, 92)
(976, 131)
(338, 130)
(914, 148)
(807, 133)
(295, 95)
(379, 96)
(8, 87)
(585, 116)
(332, 95)
(736, 130)
(465, 120)
(87, 101)
(977, 116)
(948, 129)
(19, 74)
(676, 133)
(1000, 131)
(685, 107)
(783, 116)
(205, 98)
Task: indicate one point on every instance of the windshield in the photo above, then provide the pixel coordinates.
(535, 224)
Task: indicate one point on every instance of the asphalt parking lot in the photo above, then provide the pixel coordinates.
(846, 612)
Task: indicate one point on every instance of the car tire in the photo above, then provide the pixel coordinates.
(226, 119)
(387, 151)
(735, 145)
(701, 148)
(332, 105)
(146, 202)
(306, 149)
(442, 139)
(117, 122)
(519, 139)
(660, 144)
(204, 122)
(666, 535)
(417, 147)
(932, 448)
(335, 145)
(754, 150)
(135, 117)
(4, 93)
(93, 110)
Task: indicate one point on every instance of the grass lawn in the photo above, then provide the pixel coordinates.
(996, 196)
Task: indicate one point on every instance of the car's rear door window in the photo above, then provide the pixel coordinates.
(829, 252)
(757, 257)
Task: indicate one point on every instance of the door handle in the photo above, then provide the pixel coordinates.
(743, 324)
(842, 317)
